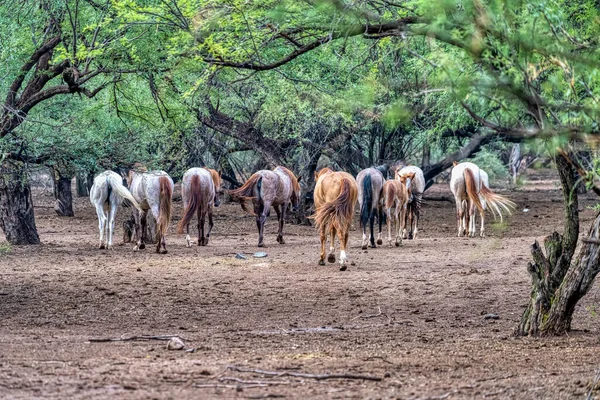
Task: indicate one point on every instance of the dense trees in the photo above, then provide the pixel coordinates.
(240, 85)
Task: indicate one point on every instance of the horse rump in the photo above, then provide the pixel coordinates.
(338, 212)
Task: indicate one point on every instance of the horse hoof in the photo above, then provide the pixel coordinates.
(364, 246)
(261, 245)
(321, 262)
(101, 247)
(373, 246)
(163, 251)
(331, 258)
(397, 244)
(141, 246)
(343, 267)
(281, 241)
(379, 242)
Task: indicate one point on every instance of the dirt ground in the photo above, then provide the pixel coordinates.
(412, 316)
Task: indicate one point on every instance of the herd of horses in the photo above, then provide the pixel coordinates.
(396, 202)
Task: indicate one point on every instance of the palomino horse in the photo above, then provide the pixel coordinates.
(106, 194)
(153, 191)
(370, 187)
(199, 192)
(335, 197)
(415, 201)
(396, 194)
(278, 188)
(470, 193)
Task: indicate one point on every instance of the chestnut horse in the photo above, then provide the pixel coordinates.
(335, 197)
(106, 194)
(153, 191)
(199, 193)
(413, 209)
(278, 188)
(470, 193)
(370, 188)
(396, 194)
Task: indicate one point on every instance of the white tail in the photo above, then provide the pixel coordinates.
(122, 191)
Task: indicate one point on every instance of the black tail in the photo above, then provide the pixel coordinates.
(367, 199)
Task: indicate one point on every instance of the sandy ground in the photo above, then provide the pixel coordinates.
(412, 316)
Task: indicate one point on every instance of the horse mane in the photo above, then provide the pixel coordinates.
(383, 169)
(215, 176)
(246, 192)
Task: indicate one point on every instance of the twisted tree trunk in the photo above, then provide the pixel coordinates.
(557, 284)
(63, 194)
(16, 206)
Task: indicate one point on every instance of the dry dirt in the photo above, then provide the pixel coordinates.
(413, 316)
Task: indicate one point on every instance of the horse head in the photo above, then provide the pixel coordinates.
(384, 169)
(406, 179)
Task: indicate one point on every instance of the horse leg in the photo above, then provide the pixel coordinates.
(371, 227)
(471, 218)
(323, 237)
(101, 223)
(280, 220)
(388, 212)
(140, 228)
(405, 223)
(202, 241)
(380, 217)
(459, 217)
(331, 256)
(343, 238)
(364, 237)
(210, 222)
(261, 218)
(160, 238)
(417, 216)
(482, 231)
(399, 220)
(112, 214)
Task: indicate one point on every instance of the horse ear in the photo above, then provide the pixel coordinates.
(299, 178)
(316, 176)
(220, 172)
(454, 163)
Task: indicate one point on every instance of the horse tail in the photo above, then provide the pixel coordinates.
(164, 205)
(246, 192)
(193, 204)
(471, 187)
(497, 201)
(337, 212)
(116, 185)
(365, 208)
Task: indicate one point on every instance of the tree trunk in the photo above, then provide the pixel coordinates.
(16, 206)
(62, 194)
(557, 285)
(426, 155)
(84, 183)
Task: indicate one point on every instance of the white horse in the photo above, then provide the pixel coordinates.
(106, 195)
(471, 191)
(153, 191)
(417, 187)
(200, 193)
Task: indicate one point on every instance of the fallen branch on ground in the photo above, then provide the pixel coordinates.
(379, 314)
(318, 377)
(438, 198)
(264, 383)
(132, 338)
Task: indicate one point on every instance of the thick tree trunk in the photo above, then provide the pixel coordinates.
(16, 206)
(63, 195)
(557, 285)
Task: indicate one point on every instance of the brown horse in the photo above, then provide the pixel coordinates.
(216, 177)
(396, 195)
(413, 209)
(370, 188)
(198, 193)
(335, 197)
(278, 188)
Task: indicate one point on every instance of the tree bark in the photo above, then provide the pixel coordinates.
(557, 285)
(63, 194)
(16, 206)
(84, 183)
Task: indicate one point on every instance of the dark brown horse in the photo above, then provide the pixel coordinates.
(278, 188)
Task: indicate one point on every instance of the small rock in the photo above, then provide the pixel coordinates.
(175, 344)
(491, 316)
(260, 254)
(241, 256)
